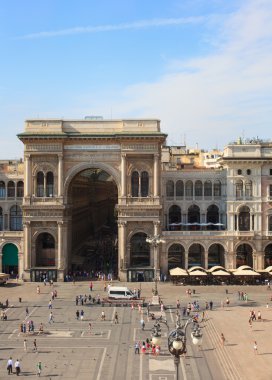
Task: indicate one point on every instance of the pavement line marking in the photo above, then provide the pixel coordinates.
(171, 316)
(141, 368)
(134, 335)
(113, 312)
(13, 332)
(27, 317)
(101, 363)
(183, 369)
(222, 354)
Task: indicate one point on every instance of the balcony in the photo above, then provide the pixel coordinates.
(195, 233)
(139, 201)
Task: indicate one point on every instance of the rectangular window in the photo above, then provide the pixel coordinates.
(270, 171)
(270, 190)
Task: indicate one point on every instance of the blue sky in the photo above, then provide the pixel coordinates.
(204, 67)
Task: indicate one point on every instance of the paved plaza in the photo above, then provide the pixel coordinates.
(69, 349)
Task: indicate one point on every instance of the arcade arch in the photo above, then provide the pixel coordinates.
(176, 256)
(196, 256)
(216, 255)
(10, 260)
(244, 255)
(92, 195)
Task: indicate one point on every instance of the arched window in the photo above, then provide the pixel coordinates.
(248, 189)
(176, 256)
(170, 189)
(198, 189)
(217, 189)
(144, 184)
(179, 189)
(207, 189)
(244, 255)
(239, 189)
(20, 189)
(16, 218)
(212, 217)
(239, 171)
(11, 189)
(2, 189)
(270, 223)
(194, 217)
(40, 184)
(174, 217)
(135, 184)
(139, 250)
(49, 184)
(45, 250)
(268, 256)
(244, 219)
(216, 255)
(189, 190)
(1, 219)
(196, 255)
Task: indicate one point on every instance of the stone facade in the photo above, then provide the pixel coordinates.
(82, 177)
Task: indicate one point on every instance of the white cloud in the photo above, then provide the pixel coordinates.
(214, 98)
(141, 24)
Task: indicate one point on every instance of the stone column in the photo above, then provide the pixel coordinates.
(27, 251)
(186, 254)
(123, 175)
(27, 175)
(156, 249)
(122, 264)
(60, 176)
(206, 259)
(156, 175)
(1, 258)
(60, 244)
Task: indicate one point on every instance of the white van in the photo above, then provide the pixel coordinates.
(121, 292)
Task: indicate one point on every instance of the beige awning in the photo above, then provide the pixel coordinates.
(197, 273)
(192, 269)
(216, 267)
(220, 273)
(178, 272)
(246, 272)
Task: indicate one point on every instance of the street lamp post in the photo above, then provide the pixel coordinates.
(177, 341)
(154, 241)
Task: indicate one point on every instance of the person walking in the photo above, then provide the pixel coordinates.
(81, 315)
(77, 314)
(25, 345)
(116, 318)
(39, 368)
(51, 318)
(26, 311)
(137, 348)
(9, 365)
(91, 286)
(142, 323)
(50, 305)
(17, 367)
(255, 348)
(35, 348)
(223, 339)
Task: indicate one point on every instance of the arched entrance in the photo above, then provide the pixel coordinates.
(92, 196)
(45, 250)
(216, 255)
(196, 256)
(244, 255)
(268, 256)
(10, 259)
(140, 258)
(176, 256)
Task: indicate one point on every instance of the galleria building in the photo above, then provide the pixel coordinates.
(111, 196)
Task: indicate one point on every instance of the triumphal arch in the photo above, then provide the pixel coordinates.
(92, 197)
